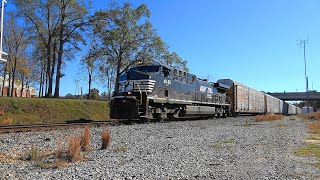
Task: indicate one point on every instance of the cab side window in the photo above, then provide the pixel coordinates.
(165, 71)
(175, 74)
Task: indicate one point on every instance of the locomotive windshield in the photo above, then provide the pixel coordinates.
(147, 69)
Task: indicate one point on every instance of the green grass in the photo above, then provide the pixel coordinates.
(228, 141)
(310, 150)
(43, 110)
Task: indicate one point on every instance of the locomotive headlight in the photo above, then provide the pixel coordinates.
(129, 93)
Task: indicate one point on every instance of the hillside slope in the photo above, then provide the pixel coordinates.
(41, 110)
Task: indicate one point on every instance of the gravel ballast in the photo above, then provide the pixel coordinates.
(202, 149)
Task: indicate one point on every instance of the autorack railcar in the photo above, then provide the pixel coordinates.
(246, 100)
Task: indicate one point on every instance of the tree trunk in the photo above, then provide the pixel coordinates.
(9, 85)
(4, 79)
(116, 87)
(41, 82)
(49, 75)
(90, 79)
(22, 85)
(60, 51)
(13, 76)
(53, 66)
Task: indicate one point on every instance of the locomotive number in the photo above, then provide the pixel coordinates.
(167, 82)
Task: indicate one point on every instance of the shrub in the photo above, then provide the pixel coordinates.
(6, 122)
(105, 138)
(85, 140)
(269, 117)
(74, 149)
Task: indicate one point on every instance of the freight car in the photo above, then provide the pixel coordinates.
(245, 100)
(152, 90)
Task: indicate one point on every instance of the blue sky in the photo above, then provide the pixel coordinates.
(251, 41)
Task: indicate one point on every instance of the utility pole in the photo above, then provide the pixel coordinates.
(303, 44)
(1, 31)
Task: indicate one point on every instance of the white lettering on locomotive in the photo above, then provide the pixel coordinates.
(167, 82)
(206, 89)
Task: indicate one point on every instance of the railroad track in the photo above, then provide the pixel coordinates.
(78, 124)
(52, 126)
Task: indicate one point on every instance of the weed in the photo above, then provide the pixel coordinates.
(74, 149)
(281, 125)
(216, 146)
(269, 117)
(314, 137)
(314, 127)
(85, 140)
(120, 149)
(310, 150)
(292, 119)
(34, 154)
(105, 138)
(2, 112)
(228, 141)
(6, 122)
(314, 115)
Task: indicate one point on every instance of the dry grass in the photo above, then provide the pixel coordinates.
(281, 125)
(59, 151)
(314, 127)
(106, 139)
(6, 122)
(34, 154)
(120, 149)
(85, 140)
(269, 117)
(74, 149)
(314, 115)
(2, 112)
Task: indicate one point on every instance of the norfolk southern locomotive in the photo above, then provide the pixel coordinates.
(158, 91)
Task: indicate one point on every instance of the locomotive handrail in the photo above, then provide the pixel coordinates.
(140, 102)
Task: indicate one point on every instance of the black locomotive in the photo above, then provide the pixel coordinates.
(152, 90)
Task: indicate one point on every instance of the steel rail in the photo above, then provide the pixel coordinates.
(51, 126)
